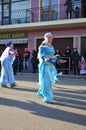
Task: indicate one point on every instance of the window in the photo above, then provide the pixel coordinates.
(83, 12)
(76, 3)
(6, 10)
(6, 6)
(6, 1)
(20, 14)
(79, 7)
(0, 12)
(76, 7)
(5, 21)
(49, 10)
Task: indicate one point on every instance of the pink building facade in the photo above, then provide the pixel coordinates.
(48, 16)
(75, 30)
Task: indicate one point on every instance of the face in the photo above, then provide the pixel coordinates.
(50, 39)
(16, 50)
(57, 51)
(75, 49)
(67, 50)
(12, 46)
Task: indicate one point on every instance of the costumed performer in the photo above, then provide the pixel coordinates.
(47, 71)
(7, 58)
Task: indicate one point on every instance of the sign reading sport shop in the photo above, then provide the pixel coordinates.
(18, 38)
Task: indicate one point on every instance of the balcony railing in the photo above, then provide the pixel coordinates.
(45, 13)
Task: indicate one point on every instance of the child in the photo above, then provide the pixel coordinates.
(82, 66)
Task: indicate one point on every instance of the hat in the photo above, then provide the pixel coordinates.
(49, 34)
(9, 43)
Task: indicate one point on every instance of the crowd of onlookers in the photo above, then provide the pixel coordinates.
(75, 63)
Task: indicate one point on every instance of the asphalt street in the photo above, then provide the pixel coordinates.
(22, 109)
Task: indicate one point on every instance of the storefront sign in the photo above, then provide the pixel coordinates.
(13, 35)
(15, 41)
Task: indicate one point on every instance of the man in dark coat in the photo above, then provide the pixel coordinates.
(69, 8)
(75, 57)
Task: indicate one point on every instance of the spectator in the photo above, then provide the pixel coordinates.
(58, 63)
(16, 62)
(77, 12)
(0, 56)
(75, 60)
(68, 60)
(26, 58)
(58, 53)
(20, 62)
(82, 66)
(1, 52)
(69, 8)
(34, 61)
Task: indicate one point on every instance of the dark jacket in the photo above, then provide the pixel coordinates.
(68, 3)
(75, 57)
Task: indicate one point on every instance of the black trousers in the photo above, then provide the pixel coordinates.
(76, 68)
(34, 68)
(69, 14)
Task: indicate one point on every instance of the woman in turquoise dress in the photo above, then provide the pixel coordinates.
(47, 71)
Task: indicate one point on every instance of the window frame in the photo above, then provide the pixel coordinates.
(3, 12)
(50, 12)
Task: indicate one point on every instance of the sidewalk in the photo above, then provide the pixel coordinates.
(63, 75)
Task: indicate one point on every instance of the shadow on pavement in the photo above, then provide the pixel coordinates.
(45, 111)
(30, 77)
(71, 98)
(25, 89)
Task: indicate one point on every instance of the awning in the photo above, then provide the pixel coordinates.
(15, 41)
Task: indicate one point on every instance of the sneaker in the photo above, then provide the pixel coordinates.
(13, 85)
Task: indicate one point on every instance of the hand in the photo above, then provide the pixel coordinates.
(46, 59)
(63, 61)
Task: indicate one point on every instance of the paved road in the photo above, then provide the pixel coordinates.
(22, 109)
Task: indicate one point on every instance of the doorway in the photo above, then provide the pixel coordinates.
(58, 43)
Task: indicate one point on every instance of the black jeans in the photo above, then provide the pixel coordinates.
(76, 68)
(69, 14)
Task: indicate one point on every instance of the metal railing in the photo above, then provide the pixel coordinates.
(64, 67)
(46, 13)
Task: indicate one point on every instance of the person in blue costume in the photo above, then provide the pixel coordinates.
(47, 71)
(7, 58)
